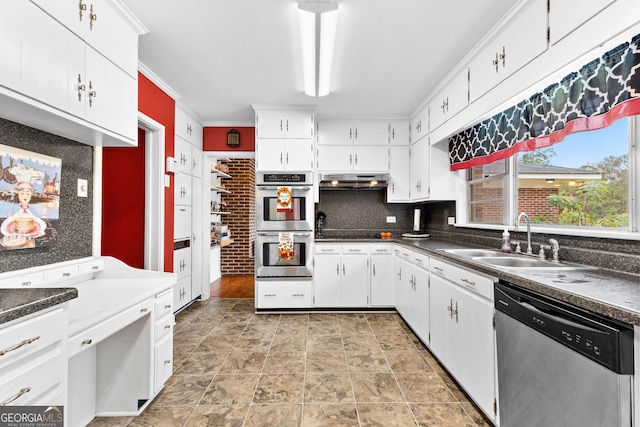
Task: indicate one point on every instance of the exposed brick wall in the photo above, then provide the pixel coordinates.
(491, 213)
(533, 201)
(238, 257)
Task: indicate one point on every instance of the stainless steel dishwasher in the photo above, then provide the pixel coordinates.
(559, 365)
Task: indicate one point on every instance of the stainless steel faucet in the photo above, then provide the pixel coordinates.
(555, 246)
(526, 218)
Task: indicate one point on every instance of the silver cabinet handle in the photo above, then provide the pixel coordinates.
(374, 269)
(469, 282)
(16, 396)
(87, 341)
(166, 362)
(438, 269)
(144, 310)
(20, 344)
(167, 326)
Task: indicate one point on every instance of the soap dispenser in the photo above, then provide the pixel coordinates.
(506, 244)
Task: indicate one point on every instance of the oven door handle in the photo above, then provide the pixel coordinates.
(293, 188)
(262, 233)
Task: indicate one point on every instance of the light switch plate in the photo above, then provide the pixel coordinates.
(451, 220)
(391, 219)
(167, 180)
(83, 188)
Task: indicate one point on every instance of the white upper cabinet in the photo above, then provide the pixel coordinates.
(398, 186)
(399, 132)
(100, 26)
(522, 40)
(567, 15)
(188, 127)
(419, 125)
(10, 13)
(360, 132)
(182, 154)
(284, 155)
(276, 123)
(419, 170)
(450, 100)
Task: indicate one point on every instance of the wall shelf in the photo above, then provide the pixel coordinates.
(220, 190)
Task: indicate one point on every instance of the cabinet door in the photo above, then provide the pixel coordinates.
(182, 189)
(270, 154)
(398, 187)
(450, 100)
(298, 124)
(181, 222)
(420, 303)
(182, 154)
(419, 170)
(399, 132)
(420, 125)
(198, 239)
(440, 301)
(354, 286)
(181, 292)
(182, 263)
(52, 59)
(382, 280)
(299, 155)
(196, 162)
(335, 158)
(371, 132)
(402, 284)
(270, 124)
(112, 102)
(326, 280)
(335, 133)
(474, 328)
(565, 16)
(372, 158)
(440, 173)
(10, 29)
(187, 127)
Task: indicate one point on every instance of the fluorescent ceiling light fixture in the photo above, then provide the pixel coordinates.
(317, 36)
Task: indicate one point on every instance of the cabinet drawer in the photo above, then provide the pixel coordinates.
(327, 249)
(92, 266)
(23, 386)
(163, 304)
(421, 260)
(163, 361)
(30, 336)
(380, 249)
(97, 333)
(164, 327)
(405, 253)
(276, 294)
(471, 280)
(61, 273)
(355, 249)
(32, 280)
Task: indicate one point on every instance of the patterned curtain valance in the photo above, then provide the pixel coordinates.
(602, 91)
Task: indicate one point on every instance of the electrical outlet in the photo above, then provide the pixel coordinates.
(451, 220)
(391, 219)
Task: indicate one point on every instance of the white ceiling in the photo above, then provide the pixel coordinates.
(221, 56)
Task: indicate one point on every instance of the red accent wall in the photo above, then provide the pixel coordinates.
(215, 139)
(123, 196)
(155, 103)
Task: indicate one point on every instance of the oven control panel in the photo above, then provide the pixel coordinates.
(284, 178)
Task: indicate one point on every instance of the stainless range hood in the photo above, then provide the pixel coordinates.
(361, 181)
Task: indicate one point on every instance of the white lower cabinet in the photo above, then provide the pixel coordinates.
(283, 294)
(341, 275)
(462, 333)
(412, 290)
(381, 276)
(182, 268)
(163, 339)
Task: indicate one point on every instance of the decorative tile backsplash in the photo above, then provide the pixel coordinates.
(76, 213)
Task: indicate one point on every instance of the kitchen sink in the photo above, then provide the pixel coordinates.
(473, 253)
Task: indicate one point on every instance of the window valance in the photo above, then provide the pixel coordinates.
(602, 91)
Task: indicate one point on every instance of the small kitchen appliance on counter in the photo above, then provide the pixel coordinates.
(417, 233)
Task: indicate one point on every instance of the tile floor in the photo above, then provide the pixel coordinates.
(236, 368)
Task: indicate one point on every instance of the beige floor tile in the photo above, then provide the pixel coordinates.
(395, 342)
(326, 362)
(380, 317)
(385, 414)
(238, 363)
(229, 328)
(366, 361)
(455, 389)
(407, 361)
(201, 364)
(441, 415)
(327, 388)
(265, 318)
(317, 343)
(323, 317)
(386, 328)
(375, 387)
(183, 390)
(289, 343)
(424, 387)
(237, 316)
(175, 416)
(323, 328)
(285, 362)
(330, 415)
(109, 422)
(360, 342)
(298, 319)
(279, 388)
(292, 328)
(252, 343)
(260, 329)
(476, 415)
(230, 390)
(356, 327)
(218, 415)
(216, 343)
(274, 415)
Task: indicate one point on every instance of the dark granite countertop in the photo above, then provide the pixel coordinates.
(19, 302)
(612, 294)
